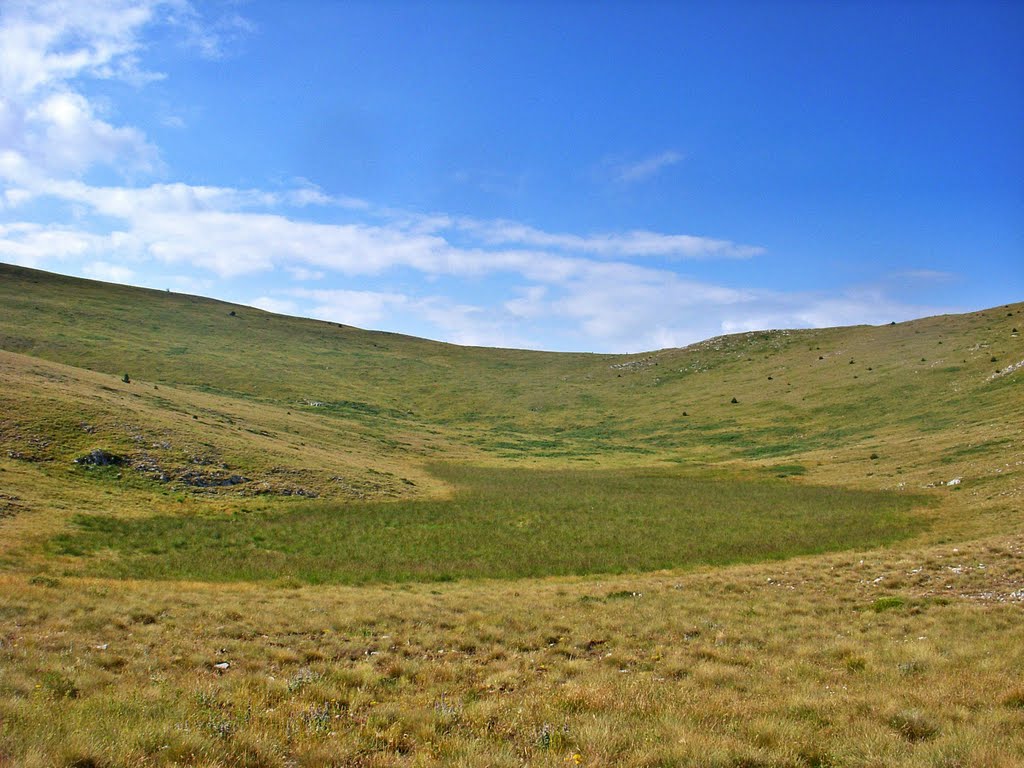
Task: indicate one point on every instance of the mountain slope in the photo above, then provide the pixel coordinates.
(930, 399)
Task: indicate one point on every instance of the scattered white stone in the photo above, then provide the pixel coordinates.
(222, 665)
(1007, 370)
(955, 481)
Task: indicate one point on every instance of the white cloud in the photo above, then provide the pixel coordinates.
(212, 39)
(48, 47)
(306, 193)
(305, 275)
(45, 46)
(569, 301)
(628, 244)
(632, 309)
(642, 170)
(44, 43)
(926, 276)
(35, 245)
(530, 304)
(435, 316)
(361, 308)
(809, 310)
(113, 273)
(64, 134)
(599, 303)
(276, 305)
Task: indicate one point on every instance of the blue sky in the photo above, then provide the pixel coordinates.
(569, 176)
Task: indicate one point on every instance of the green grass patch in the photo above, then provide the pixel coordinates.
(997, 447)
(888, 603)
(503, 523)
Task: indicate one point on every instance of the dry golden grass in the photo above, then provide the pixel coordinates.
(878, 658)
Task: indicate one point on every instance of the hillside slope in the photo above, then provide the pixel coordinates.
(913, 403)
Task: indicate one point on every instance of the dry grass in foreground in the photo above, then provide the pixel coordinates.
(906, 658)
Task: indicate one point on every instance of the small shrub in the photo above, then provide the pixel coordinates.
(59, 686)
(786, 470)
(78, 760)
(914, 725)
(856, 664)
(911, 668)
(623, 594)
(112, 663)
(126, 379)
(887, 603)
(548, 737)
(734, 400)
(1015, 699)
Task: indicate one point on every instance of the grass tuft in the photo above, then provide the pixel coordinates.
(914, 725)
(888, 603)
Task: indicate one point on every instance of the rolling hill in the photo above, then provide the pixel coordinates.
(714, 555)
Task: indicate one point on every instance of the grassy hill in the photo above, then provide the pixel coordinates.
(797, 392)
(715, 555)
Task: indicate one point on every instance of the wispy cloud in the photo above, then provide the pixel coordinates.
(926, 276)
(586, 287)
(773, 309)
(641, 170)
(492, 182)
(626, 244)
(46, 44)
(48, 47)
(113, 273)
(212, 39)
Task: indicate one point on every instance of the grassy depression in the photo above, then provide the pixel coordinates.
(503, 523)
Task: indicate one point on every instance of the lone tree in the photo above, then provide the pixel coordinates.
(126, 379)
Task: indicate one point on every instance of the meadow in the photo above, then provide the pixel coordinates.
(501, 523)
(315, 545)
